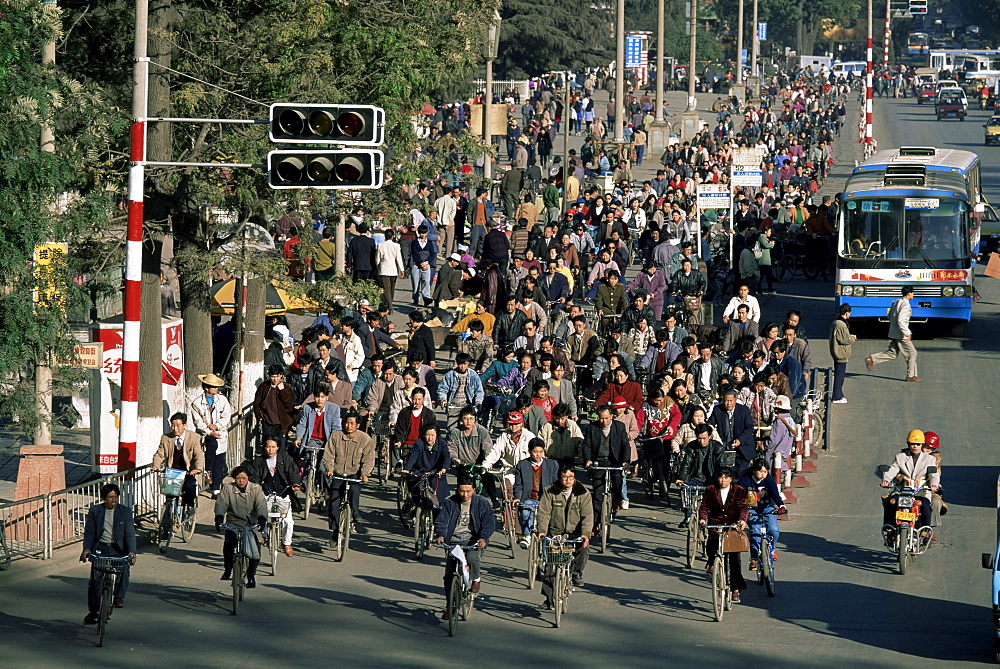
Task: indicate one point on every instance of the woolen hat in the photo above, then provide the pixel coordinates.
(619, 403)
(515, 418)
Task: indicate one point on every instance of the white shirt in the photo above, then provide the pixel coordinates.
(735, 303)
(724, 493)
(354, 354)
(446, 207)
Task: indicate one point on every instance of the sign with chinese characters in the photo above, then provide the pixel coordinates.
(50, 275)
(762, 32)
(713, 196)
(746, 177)
(89, 355)
(633, 51)
(908, 275)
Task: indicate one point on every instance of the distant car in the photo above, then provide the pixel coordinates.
(949, 105)
(992, 130)
(926, 93)
(952, 88)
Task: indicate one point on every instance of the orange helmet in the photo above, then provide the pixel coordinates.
(932, 440)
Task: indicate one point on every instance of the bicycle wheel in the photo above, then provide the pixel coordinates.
(692, 540)
(509, 528)
(534, 559)
(166, 532)
(455, 602)
(238, 576)
(903, 549)
(784, 271)
(718, 588)
(605, 521)
(273, 538)
(468, 604)
(401, 493)
(310, 487)
(4, 550)
(343, 530)
(766, 566)
(810, 270)
(104, 615)
(418, 530)
(558, 595)
(382, 465)
(816, 435)
(190, 521)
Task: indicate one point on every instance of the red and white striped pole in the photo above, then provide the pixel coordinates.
(128, 424)
(868, 87)
(888, 34)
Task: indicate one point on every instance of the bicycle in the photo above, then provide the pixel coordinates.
(691, 496)
(651, 467)
(314, 493)
(345, 523)
(381, 433)
(606, 515)
(178, 517)
(722, 596)
(462, 599)
(422, 516)
(507, 515)
(765, 557)
(5, 555)
(275, 527)
(558, 553)
(111, 567)
(492, 394)
(240, 564)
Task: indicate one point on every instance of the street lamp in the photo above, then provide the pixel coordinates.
(492, 47)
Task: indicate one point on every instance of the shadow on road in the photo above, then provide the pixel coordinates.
(847, 555)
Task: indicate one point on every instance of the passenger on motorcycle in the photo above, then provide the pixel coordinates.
(763, 499)
(909, 468)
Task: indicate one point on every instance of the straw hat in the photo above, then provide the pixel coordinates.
(211, 380)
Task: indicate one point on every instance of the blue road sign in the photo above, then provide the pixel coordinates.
(762, 32)
(633, 51)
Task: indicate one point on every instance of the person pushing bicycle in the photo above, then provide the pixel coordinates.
(465, 519)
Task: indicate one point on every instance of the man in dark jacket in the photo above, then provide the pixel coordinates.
(701, 459)
(110, 531)
(465, 519)
(555, 286)
(274, 406)
(496, 249)
(509, 324)
(605, 444)
(449, 283)
(735, 426)
(531, 478)
(361, 255)
(570, 516)
(422, 339)
(277, 474)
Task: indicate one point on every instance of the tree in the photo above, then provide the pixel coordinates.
(539, 36)
(58, 196)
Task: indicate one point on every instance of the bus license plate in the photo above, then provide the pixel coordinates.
(906, 516)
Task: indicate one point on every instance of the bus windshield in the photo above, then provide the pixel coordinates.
(915, 232)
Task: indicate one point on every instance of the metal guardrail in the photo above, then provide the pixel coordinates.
(37, 525)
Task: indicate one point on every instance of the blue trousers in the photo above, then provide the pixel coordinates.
(421, 281)
(528, 509)
(754, 522)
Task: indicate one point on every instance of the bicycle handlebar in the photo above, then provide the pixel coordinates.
(465, 548)
(620, 468)
(237, 528)
(719, 527)
(346, 478)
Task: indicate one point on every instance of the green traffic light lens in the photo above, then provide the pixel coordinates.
(351, 124)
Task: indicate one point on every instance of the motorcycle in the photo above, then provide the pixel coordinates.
(983, 101)
(905, 538)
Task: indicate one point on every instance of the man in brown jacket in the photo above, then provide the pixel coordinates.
(274, 407)
(181, 449)
(566, 509)
(350, 453)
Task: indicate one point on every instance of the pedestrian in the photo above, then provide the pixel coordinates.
(361, 254)
(840, 350)
(389, 262)
(900, 337)
(211, 413)
(423, 254)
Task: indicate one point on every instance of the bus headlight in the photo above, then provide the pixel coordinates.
(961, 291)
(859, 291)
(947, 291)
(847, 290)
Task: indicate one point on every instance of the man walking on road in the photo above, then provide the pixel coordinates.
(899, 336)
(840, 350)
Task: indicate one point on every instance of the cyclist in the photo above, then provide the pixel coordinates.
(511, 447)
(725, 504)
(211, 416)
(469, 443)
(240, 503)
(532, 476)
(605, 444)
(319, 419)
(275, 472)
(181, 449)
(410, 424)
(350, 453)
(460, 386)
(383, 390)
(566, 509)
(465, 519)
(109, 531)
(429, 454)
(762, 496)
(701, 460)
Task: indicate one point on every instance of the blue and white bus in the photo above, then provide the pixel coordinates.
(911, 216)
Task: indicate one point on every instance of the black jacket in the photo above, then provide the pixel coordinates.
(505, 331)
(618, 446)
(701, 463)
(123, 528)
(286, 473)
(742, 429)
(422, 341)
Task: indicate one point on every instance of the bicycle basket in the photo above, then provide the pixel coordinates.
(110, 565)
(380, 425)
(557, 553)
(691, 496)
(173, 481)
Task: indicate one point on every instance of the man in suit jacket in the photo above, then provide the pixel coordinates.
(181, 449)
(740, 327)
(605, 444)
(361, 255)
(735, 426)
(900, 337)
(706, 370)
(110, 531)
(307, 433)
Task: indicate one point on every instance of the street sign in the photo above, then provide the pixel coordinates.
(633, 51)
(90, 354)
(751, 157)
(50, 279)
(743, 57)
(714, 196)
(743, 176)
(762, 32)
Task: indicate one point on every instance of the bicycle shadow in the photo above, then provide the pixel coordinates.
(61, 632)
(513, 611)
(847, 555)
(660, 603)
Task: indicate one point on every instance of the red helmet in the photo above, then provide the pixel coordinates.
(932, 440)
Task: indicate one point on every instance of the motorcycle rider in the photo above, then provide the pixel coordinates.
(909, 468)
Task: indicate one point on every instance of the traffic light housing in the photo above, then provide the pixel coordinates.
(344, 169)
(351, 125)
(918, 6)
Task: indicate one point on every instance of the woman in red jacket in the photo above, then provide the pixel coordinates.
(725, 504)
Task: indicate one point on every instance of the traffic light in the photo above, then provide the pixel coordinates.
(918, 6)
(353, 125)
(345, 169)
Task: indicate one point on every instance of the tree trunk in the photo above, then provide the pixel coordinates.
(151, 419)
(159, 136)
(195, 310)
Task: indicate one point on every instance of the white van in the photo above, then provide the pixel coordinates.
(856, 67)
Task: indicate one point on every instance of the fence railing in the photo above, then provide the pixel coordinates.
(36, 526)
(502, 86)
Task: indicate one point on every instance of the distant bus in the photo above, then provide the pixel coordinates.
(917, 44)
(911, 216)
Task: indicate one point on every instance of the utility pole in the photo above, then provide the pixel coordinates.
(868, 87)
(690, 116)
(755, 45)
(43, 369)
(492, 47)
(888, 36)
(660, 83)
(565, 159)
(739, 45)
(620, 72)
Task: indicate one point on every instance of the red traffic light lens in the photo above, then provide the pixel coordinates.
(349, 169)
(351, 124)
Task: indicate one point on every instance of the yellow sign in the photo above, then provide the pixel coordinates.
(50, 277)
(90, 355)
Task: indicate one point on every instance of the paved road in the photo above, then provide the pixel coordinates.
(839, 601)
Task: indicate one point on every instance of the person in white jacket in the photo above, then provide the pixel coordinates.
(354, 350)
(511, 447)
(211, 414)
(447, 207)
(389, 264)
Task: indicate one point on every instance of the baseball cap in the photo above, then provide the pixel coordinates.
(456, 257)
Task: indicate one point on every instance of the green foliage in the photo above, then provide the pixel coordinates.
(61, 196)
(641, 15)
(539, 36)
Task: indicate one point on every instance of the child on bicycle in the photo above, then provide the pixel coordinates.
(763, 500)
(532, 476)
